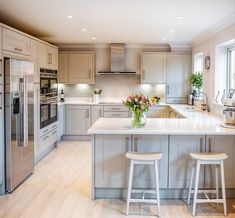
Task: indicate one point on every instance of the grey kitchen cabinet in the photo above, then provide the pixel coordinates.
(77, 119)
(157, 112)
(15, 42)
(153, 67)
(61, 121)
(63, 67)
(178, 69)
(34, 59)
(144, 176)
(1, 142)
(180, 162)
(111, 164)
(116, 111)
(96, 113)
(48, 56)
(81, 67)
(225, 144)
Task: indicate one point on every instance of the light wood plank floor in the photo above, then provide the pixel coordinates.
(61, 188)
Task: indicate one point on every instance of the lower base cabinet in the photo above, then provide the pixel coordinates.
(224, 144)
(111, 165)
(77, 120)
(144, 175)
(180, 162)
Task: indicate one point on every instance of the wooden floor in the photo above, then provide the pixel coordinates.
(61, 188)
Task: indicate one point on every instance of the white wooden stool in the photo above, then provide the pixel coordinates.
(143, 158)
(216, 159)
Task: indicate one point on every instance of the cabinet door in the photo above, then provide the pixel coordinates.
(48, 57)
(225, 144)
(144, 176)
(81, 68)
(34, 59)
(1, 41)
(63, 69)
(178, 69)
(111, 164)
(61, 114)
(77, 120)
(153, 68)
(96, 113)
(15, 42)
(180, 162)
(1, 143)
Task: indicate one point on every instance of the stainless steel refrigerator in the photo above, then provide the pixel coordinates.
(18, 118)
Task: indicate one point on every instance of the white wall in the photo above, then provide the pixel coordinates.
(208, 48)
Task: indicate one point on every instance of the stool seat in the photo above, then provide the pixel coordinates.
(209, 156)
(144, 156)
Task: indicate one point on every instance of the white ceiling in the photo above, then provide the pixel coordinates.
(129, 21)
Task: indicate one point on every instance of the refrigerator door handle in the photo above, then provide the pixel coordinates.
(26, 125)
(23, 112)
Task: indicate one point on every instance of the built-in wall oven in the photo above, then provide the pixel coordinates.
(48, 97)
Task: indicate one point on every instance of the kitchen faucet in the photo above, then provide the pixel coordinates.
(207, 104)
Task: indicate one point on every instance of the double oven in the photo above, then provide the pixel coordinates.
(48, 97)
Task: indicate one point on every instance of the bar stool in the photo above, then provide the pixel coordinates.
(216, 159)
(149, 159)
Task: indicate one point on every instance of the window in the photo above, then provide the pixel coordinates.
(230, 68)
(198, 62)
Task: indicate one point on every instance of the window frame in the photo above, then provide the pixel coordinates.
(228, 70)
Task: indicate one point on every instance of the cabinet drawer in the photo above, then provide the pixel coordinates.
(122, 114)
(115, 108)
(15, 42)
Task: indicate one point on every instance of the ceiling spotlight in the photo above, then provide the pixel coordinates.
(164, 39)
(93, 38)
(84, 30)
(180, 16)
(172, 30)
(69, 16)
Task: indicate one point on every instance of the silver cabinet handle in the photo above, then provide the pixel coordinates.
(167, 89)
(135, 144)
(143, 74)
(87, 114)
(210, 145)
(127, 142)
(46, 137)
(18, 49)
(115, 108)
(49, 58)
(201, 144)
(115, 115)
(90, 74)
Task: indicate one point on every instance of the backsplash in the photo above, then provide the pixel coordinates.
(114, 86)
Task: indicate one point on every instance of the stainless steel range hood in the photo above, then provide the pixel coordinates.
(117, 60)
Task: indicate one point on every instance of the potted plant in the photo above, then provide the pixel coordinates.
(139, 104)
(96, 96)
(196, 80)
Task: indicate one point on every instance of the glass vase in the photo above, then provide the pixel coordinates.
(138, 119)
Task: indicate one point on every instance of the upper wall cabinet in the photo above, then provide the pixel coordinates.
(34, 58)
(153, 67)
(178, 69)
(77, 67)
(0, 40)
(15, 42)
(63, 68)
(48, 57)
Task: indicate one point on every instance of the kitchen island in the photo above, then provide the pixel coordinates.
(175, 138)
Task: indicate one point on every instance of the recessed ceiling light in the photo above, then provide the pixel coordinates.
(180, 16)
(164, 39)
(93, 38)
(84, 30)
(172, 30)
(69, 16)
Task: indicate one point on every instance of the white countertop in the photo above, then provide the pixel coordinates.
(195, 123)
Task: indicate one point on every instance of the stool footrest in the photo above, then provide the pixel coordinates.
(210, 201)
(143, 191)
(206, 191)
(136, 200)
